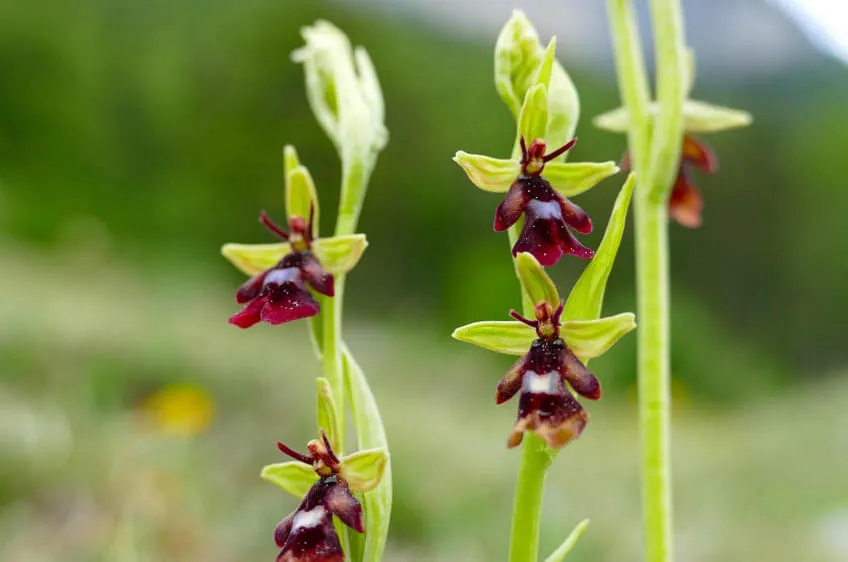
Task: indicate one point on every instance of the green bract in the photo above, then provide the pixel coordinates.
(294, 477)
(536, 281)
(328, 420)
(370, 433)
(587, 296)
(363, 470)
(300, 194)
(560, 553)
(521, 62)
(533, 119)
(698, 117)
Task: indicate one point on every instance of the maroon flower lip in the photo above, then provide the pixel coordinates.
(308, 534)
(545, 405)
(548, 216)
(280, 294)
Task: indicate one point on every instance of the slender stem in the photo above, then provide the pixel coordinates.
(527, 508)
(331, 358)
(656, 166)
(632, 77)
(530, 484)
(651, 221)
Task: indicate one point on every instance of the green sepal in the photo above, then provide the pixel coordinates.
(543, 75)
(363, 470)
(560, 553)
(294, 477)
(587, 296)
(533, 119)
(327, 414)
(592, 338)
(509, 337)
(301, 195)
(372, 93)
(698, 117)
(255, 258)
(370, 434)
(571, 179)
(487, 173)
(535, 280)
(340, 254)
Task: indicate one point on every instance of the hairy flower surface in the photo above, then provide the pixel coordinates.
(548, 216)
(545, 405)
(308, 534)
(280, 294)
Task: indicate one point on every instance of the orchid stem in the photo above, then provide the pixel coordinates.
(655, 152)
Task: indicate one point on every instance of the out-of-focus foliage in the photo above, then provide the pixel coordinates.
(155, 130)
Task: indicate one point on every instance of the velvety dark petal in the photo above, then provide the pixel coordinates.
(289, 302)
(581, 379)
(574, 216)
(312, 538)
(685, 203)
(251, 288)
(281, 533)
(510, 209)
(540, 238)
(697, 154)
(549, 410)
(511, 382)
(315, 275)
(344, 506)
(250, 314)
(571, 246)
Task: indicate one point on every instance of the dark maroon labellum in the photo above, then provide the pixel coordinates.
(548, 216)
(545, 405)
(280, 294)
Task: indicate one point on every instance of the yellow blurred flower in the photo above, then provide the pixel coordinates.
(180, 409)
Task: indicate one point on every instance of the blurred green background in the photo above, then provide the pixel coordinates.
(136, 138)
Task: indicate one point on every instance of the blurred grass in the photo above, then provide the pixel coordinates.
(86, 476)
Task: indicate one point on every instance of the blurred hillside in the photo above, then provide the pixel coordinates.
(151, 133)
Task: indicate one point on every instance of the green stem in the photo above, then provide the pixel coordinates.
(331, 358)
(651, 220)
(655, 150)
(530, 485)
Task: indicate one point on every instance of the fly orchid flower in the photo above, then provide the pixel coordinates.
(547, 214)
(324, 481)
(279, 294)
(685, 202)
(553, 354)
(282, 273)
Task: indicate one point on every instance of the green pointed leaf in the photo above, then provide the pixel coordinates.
(587, 296)
(563, 109)
(572, 179)
(255, 258)
(487, 173)
(340, 254)
(363, 470)
(698, 117)
(535, 280)
(290, 159)
(560, 553)
(592, 338)
(533, 120)
(370, 434)
(510, 337)
(294, 477)
(301, 196)
(327, 414)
